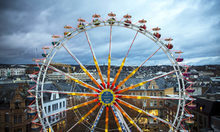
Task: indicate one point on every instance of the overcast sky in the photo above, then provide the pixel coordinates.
(27, 25)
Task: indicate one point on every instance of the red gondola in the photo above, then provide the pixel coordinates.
(191, 106)
(142, 21)
(179, 59)
(56, 36)
(169, 46)
(190, 90)
(46, 47)
(127, 16)
(96, 21)
(35, 127)
(31, 97)
(95, 16)
(81, 20)
(31, 112)
(168, 39)
(157, 35)
(142, 27)
(67, 33)
(127, 22)
(68, 27)
(189, 122)
(111, 14)
(156, 29)
(178, 52)
(186, 74)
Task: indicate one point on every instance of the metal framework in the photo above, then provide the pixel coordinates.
(106, 95)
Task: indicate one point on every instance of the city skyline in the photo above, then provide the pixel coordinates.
(27, 26)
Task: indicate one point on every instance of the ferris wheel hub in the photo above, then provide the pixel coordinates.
(107, 97)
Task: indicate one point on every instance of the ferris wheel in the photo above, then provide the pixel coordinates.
(103, 98)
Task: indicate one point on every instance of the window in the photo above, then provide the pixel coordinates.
(53, 118)
(17, 105)
(53, 107)
(45, 109)
(60, 104)
(57, 106)
(161, 93)
(6, 117)
(155, 94)
(15, 119)
(64, 104)
(20, 119)
(152, 87)
(155, 103)
(57, 116)
(49, 109)
(49, 118)
(151, 121)
(54, 96)
(161, 103)
(151, 103)
(60, 115)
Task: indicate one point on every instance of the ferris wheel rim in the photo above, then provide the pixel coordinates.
(132, 25)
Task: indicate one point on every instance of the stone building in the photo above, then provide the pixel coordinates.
(155, 107)
(13, 110)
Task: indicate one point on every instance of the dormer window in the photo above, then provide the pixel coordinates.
(54, 96)
(152, 87)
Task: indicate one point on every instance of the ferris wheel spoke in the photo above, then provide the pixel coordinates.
(84, 117)
(95, 60)
(144, 82)
(109, 59)
(97, 118)
(71, 93)
(142, 111)
(83, 104)
(147, 97)
(75, 79)
(90, 111)
(123, 62)
(128, 117)
(106, 118)
(83, 68)
(116, 120)
(134, 71)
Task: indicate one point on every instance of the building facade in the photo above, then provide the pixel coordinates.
(13, 110)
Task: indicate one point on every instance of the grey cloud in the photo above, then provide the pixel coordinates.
(28, 25)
